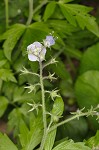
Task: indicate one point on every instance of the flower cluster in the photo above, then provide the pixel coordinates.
(36, 51)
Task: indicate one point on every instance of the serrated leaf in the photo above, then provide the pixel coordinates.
(34, 135)
(7, 75)
(12, 36)
(87, 92)
(50, 140)
(90, 59)
(70, 145)
(68, 15)
(6, 143)
(58, 107)
(49, 10)
(3, 105)
(24, 131)
(75, 13)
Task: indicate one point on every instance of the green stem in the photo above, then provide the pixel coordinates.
(40, 6)
(6, 13)
(67, 120)
(43, 107)
(30, 12)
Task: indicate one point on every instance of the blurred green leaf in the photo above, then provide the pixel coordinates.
(7, 75)
(49, 10)
(12, 36)
(6, 143)
(3, 105)
(90, 59)
(87, 92)
(75, 13)
(75, 129)
(93, 142)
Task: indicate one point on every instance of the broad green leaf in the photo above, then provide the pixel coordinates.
(34, 135)
(12, 36)
(93, 142)
(70, 145)
(6, 143)
(75, 13)
(7, 75)
(3, 105)
(49, 10)
(87, 92)
(50, 140)
(58, 107)
(68, 15)
(24, 131)
(90, 59)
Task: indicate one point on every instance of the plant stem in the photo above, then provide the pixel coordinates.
(40, 6)
(67, 120)
(43, 107)
(30, 12)
(6, 13)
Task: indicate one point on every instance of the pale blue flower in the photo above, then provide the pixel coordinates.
(36, 52)
(49, 41)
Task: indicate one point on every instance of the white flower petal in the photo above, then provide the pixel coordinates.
(32, 57)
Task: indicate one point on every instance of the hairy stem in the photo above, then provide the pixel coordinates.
(30, 12)
(67, 120)
(6, 13)
(43, 107)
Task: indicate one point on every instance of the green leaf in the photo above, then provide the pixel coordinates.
(12, 36)
(65, 1)
(6, 143)
(87, 92)
(34, 136)
(24, 131)
(50, 140)
(75, 13)
(49, 10)
(7, 75)
(90, 59)
(68, 15)
(58, 107)
(93, 142)
(70, 145)
(3, 105)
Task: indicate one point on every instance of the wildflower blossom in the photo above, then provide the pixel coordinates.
(49, 41)
(36, 52)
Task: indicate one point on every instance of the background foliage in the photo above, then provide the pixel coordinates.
(76, 49)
